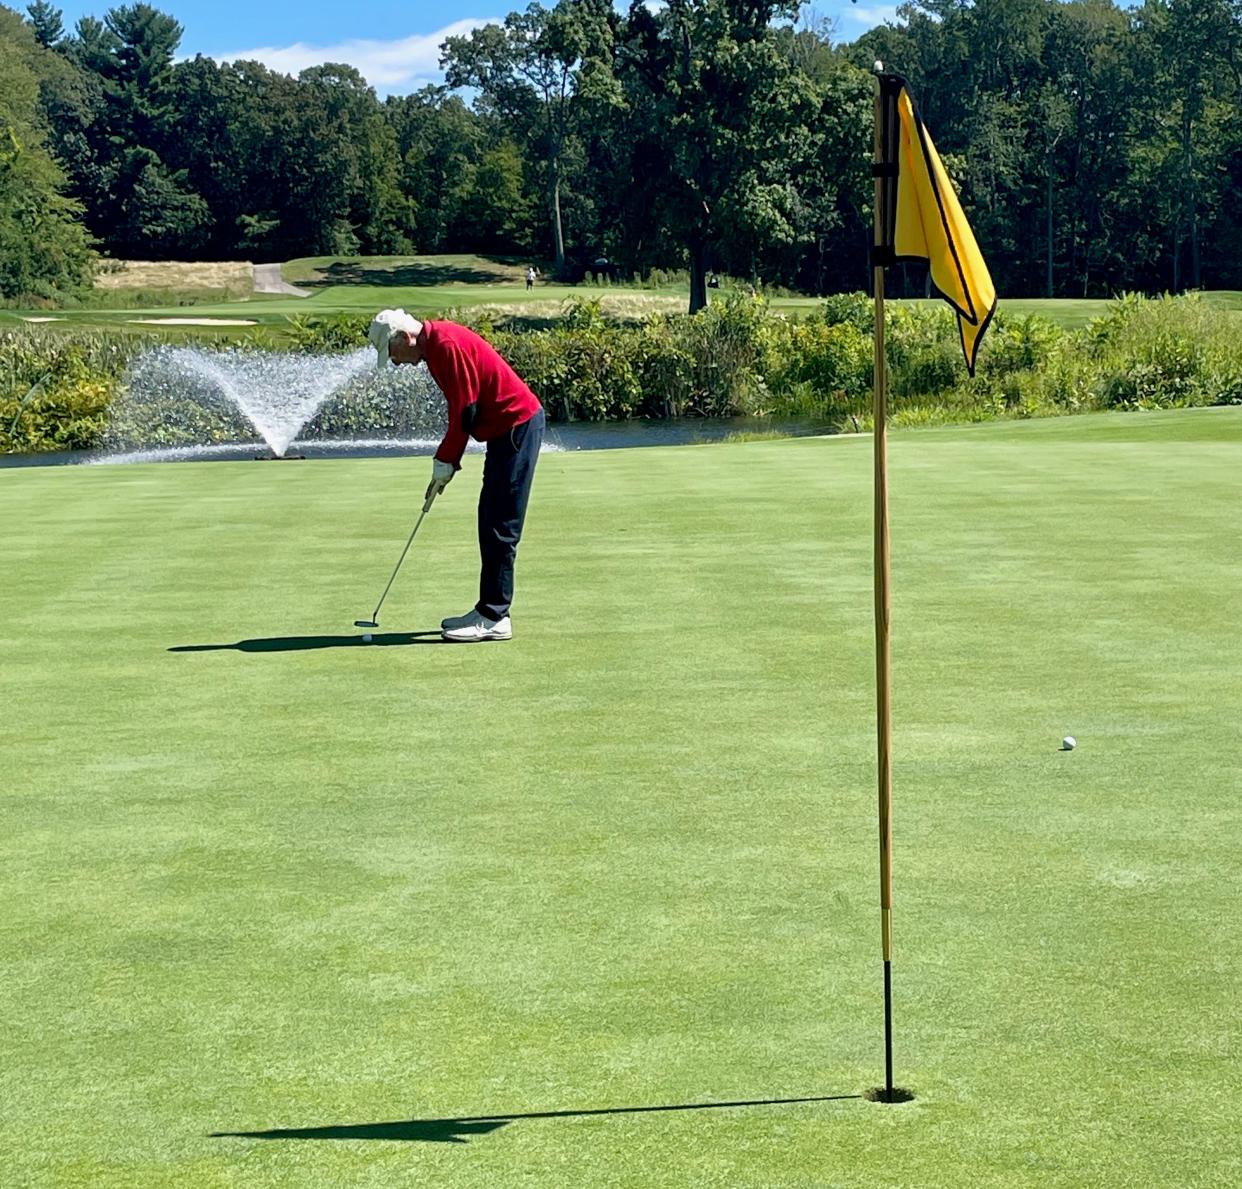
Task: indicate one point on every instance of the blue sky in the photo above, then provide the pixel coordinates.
(395, 46)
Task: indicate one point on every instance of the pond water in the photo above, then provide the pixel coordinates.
(578, 435)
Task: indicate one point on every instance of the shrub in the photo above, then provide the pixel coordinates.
(1167, 353)
(924, 352)
(55, 390)
(724, 348)
(734, 357)
(831, 361)
(853, 309)
(340, 332)
(1021, 344)
(582, 369)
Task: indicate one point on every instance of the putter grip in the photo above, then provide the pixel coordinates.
(430, 497)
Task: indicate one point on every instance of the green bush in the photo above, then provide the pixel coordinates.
(339, 332)
(826, 367)
(1018, 345)
(587, 368)
(1169, 353)
(854, 309)
(924, 352)
(55, 391)
(720, 351)
(584, 374)
(734, 357)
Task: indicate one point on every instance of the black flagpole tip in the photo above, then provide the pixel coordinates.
(888, 1094)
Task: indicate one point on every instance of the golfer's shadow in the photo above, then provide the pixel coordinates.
(455, 1130)
(302, 643)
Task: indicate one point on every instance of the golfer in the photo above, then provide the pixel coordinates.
(488, 401)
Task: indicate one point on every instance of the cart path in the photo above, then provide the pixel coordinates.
(267, 279)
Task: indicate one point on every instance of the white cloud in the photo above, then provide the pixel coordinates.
(388, 66)
(876, 14)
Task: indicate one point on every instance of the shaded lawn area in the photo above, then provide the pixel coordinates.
(599, 906)
(404, 270)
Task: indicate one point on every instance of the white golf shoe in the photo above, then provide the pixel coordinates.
(480, 628)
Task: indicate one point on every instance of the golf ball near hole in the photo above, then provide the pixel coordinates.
(1069, 743)
(366, 637)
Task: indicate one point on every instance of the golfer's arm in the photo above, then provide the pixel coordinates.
(454, 444)
(456, 379)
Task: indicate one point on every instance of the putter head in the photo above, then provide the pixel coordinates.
(366, 623)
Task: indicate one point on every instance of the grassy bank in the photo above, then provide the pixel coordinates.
(267, 879)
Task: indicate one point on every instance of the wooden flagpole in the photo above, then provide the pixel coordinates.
(883, 607)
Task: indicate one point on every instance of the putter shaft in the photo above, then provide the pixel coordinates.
(373, 622)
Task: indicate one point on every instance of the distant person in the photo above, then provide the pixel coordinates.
(530, 277)
(488, 401)
(713, 281)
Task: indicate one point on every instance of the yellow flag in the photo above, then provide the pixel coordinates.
(921, 219)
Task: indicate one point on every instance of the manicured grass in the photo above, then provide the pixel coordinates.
(628, 860)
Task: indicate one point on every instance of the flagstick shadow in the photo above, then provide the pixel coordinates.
(452, 1131)
(302, 643)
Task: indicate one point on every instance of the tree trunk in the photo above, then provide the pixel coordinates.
(558, 234)
(1049, 255)
(698, 278)
(1187, 217)
(1087, 245)
(1196, 278)
(1192, 213)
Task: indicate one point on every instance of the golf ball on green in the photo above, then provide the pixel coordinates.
(366, 637)
(1069, 743)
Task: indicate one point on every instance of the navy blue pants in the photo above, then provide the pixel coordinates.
(508, 471)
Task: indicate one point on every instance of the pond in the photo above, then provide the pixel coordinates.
(570, 436)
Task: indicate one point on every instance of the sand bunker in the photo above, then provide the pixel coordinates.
(25, 319)
(195, 321)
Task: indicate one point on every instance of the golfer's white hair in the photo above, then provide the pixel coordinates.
(385, 327)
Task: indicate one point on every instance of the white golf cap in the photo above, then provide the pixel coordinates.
(384, 325)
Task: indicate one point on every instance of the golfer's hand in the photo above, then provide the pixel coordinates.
(441, 476)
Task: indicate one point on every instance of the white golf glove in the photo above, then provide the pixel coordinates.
(441, 476)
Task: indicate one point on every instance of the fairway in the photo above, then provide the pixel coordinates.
(447, 916)
(435, 285)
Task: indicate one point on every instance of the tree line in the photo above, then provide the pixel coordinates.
(1096, 148)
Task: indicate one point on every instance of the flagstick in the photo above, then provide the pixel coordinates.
(883, 614)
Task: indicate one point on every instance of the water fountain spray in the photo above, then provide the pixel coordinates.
(192, 402)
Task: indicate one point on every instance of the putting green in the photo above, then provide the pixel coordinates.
(434, 915)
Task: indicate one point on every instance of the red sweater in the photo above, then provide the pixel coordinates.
(486, 397)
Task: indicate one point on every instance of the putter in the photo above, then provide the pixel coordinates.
(373, 622)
